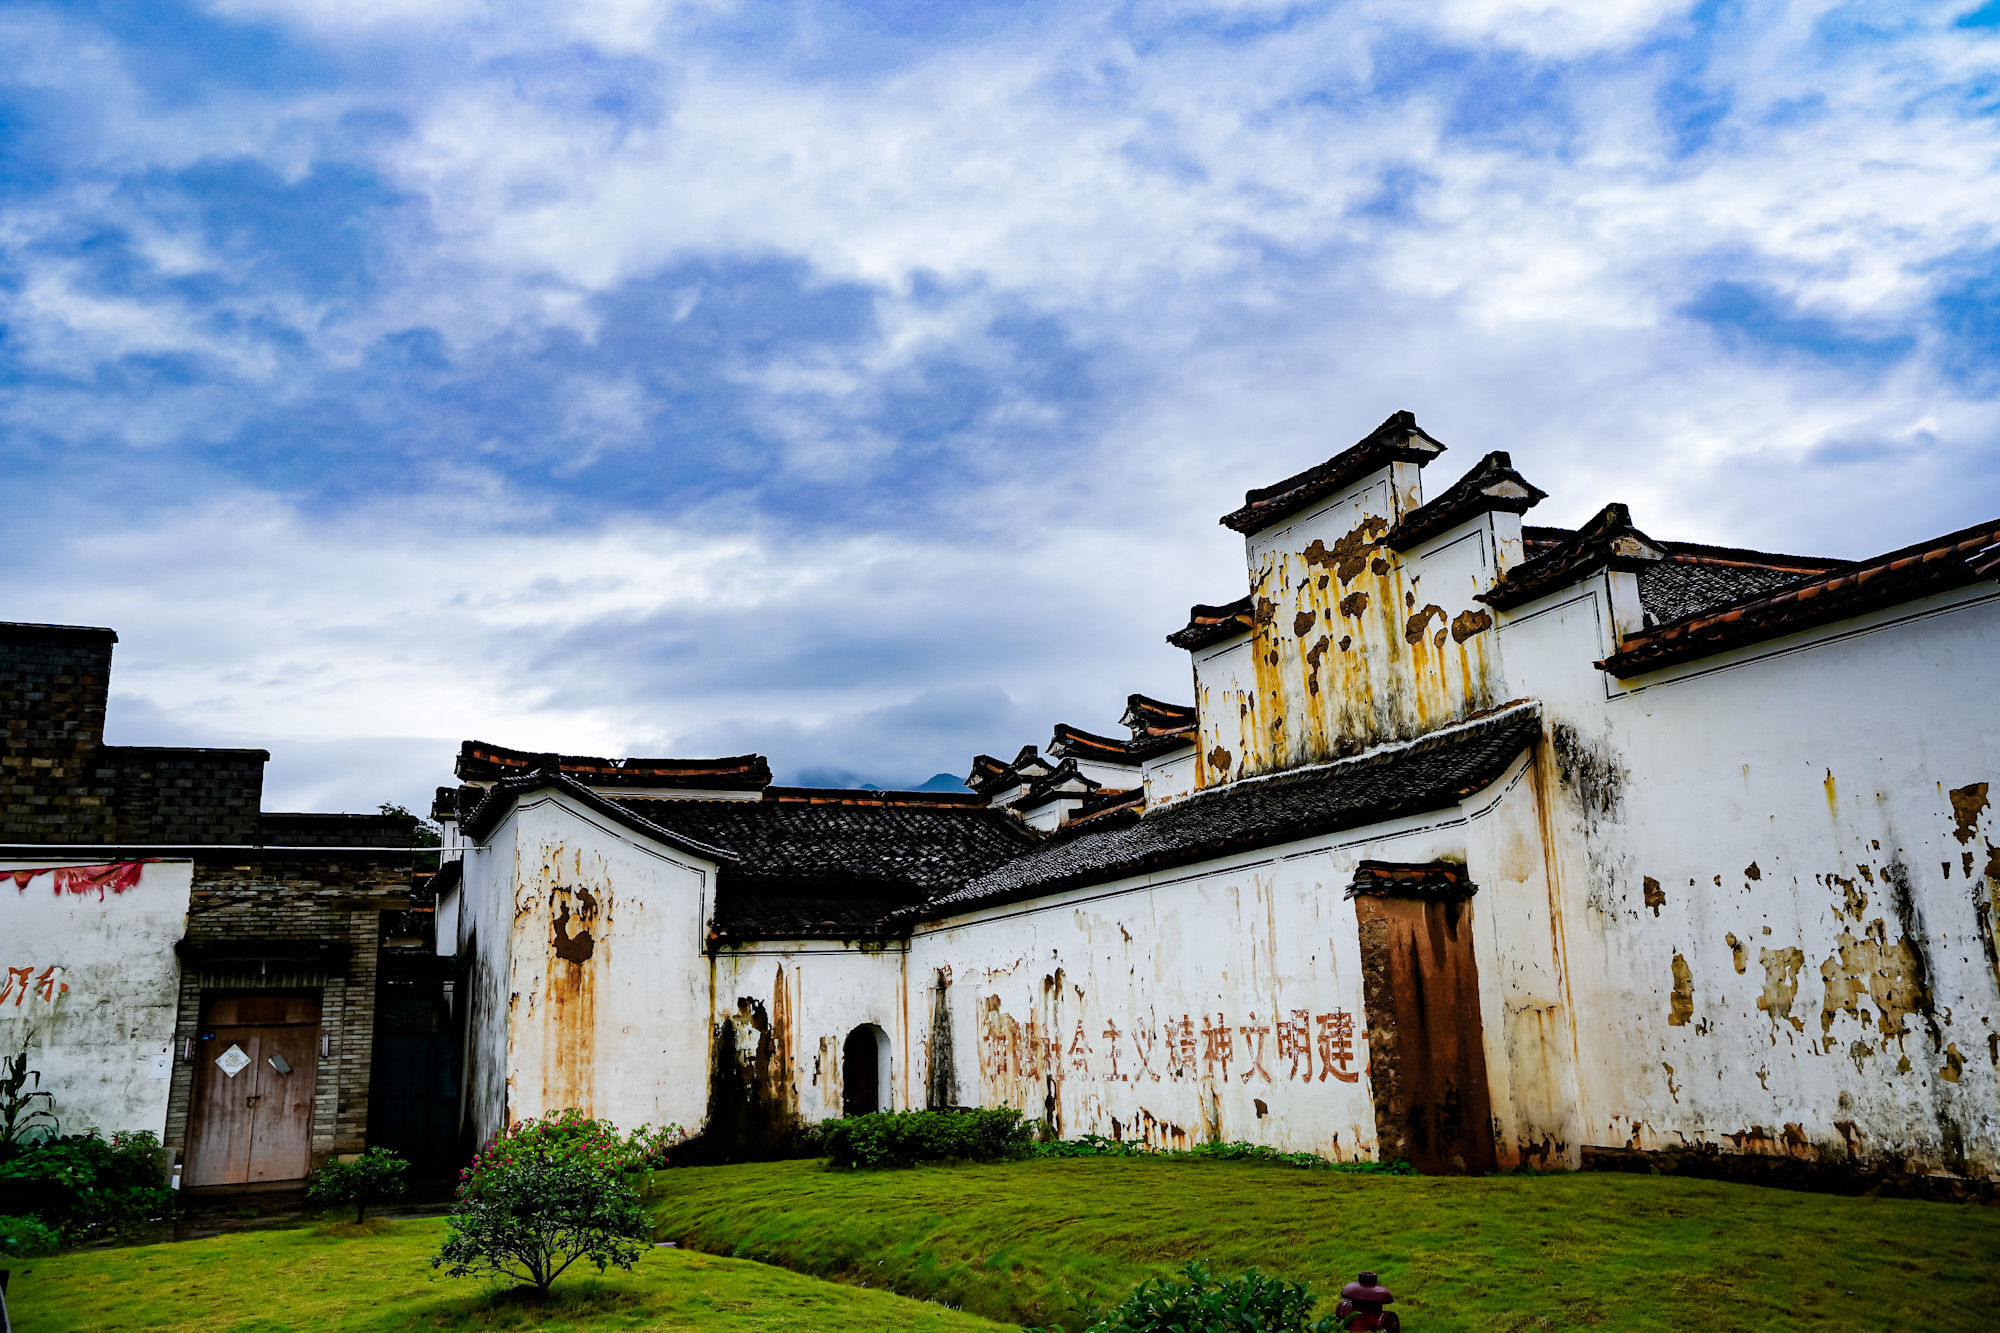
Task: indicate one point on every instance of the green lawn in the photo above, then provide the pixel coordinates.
(1041, 1241)
(377, 1279)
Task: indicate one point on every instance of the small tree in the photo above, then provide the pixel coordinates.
(542, 1195)
(21, 1121)
(374, 1177)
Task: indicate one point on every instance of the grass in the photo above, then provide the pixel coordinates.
(376, 1278)
(1043, 1242)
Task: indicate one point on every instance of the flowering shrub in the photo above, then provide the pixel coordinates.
(543, 1194)
(652, 1148)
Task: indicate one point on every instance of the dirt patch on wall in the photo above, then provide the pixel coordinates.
(1781, 984)
(941, 1081)
(752, 1101)
(1680, 1004)
(1590, 770)
(1967, 804)
(1819, 1173)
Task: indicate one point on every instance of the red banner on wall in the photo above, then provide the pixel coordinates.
(116, 876)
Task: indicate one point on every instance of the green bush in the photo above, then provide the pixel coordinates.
(374, 1177)
(1252, 1303)
(84, 1186)
(907, 1138)
(26, 1238)
(1096, 1145)
(542, 1195)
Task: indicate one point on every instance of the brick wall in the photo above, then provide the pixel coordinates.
(259, 919)
(184, 796)
(258, 925)
(63, 785)
(53, 682)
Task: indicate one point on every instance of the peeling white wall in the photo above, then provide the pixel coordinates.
(812, 995)
(1762, 872)
(95, 980)
(617, 1027)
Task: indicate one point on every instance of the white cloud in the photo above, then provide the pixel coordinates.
(1205, 220)
(1554, 27)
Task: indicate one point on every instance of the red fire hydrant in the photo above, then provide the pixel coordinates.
(1361, 1305)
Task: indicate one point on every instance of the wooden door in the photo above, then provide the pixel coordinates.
(1426, 1050)
(255, 1123)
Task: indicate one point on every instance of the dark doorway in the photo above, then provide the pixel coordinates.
(862, 1067)
(1427, 1057)
(256, 1061)
(413, 1098)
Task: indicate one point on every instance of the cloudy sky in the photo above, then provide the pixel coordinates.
(859, 383)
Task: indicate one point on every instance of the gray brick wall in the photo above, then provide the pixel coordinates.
(241, 921)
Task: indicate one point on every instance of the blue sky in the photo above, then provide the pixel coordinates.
(859, 383)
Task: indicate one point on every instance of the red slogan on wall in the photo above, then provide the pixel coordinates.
(117, 877)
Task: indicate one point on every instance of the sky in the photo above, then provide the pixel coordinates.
(860, 383)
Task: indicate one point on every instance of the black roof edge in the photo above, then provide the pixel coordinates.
(1525, 713)
(507, 792)
(26, 631)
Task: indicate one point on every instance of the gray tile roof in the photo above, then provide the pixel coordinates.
(1429, 774)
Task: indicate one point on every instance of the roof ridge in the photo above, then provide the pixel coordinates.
(1609, 539)
(1397, 439)
(1938, 565)
(1490, 484)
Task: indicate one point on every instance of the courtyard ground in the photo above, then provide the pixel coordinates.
(1040, 1242)
(376, 1278)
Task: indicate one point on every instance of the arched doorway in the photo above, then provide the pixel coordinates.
(864, 1070)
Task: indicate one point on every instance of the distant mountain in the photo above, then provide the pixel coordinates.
(942, 782)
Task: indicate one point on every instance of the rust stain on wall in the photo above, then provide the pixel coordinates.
(1656, 897)
(1354, 603)
(577, 919)
(1736, 952)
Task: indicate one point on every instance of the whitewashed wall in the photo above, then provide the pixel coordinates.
(95, 981)
(1109, 1009)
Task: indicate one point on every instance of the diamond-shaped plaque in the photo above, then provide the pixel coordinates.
(232, 1061)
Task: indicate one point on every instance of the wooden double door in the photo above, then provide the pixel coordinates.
(256, 1066)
